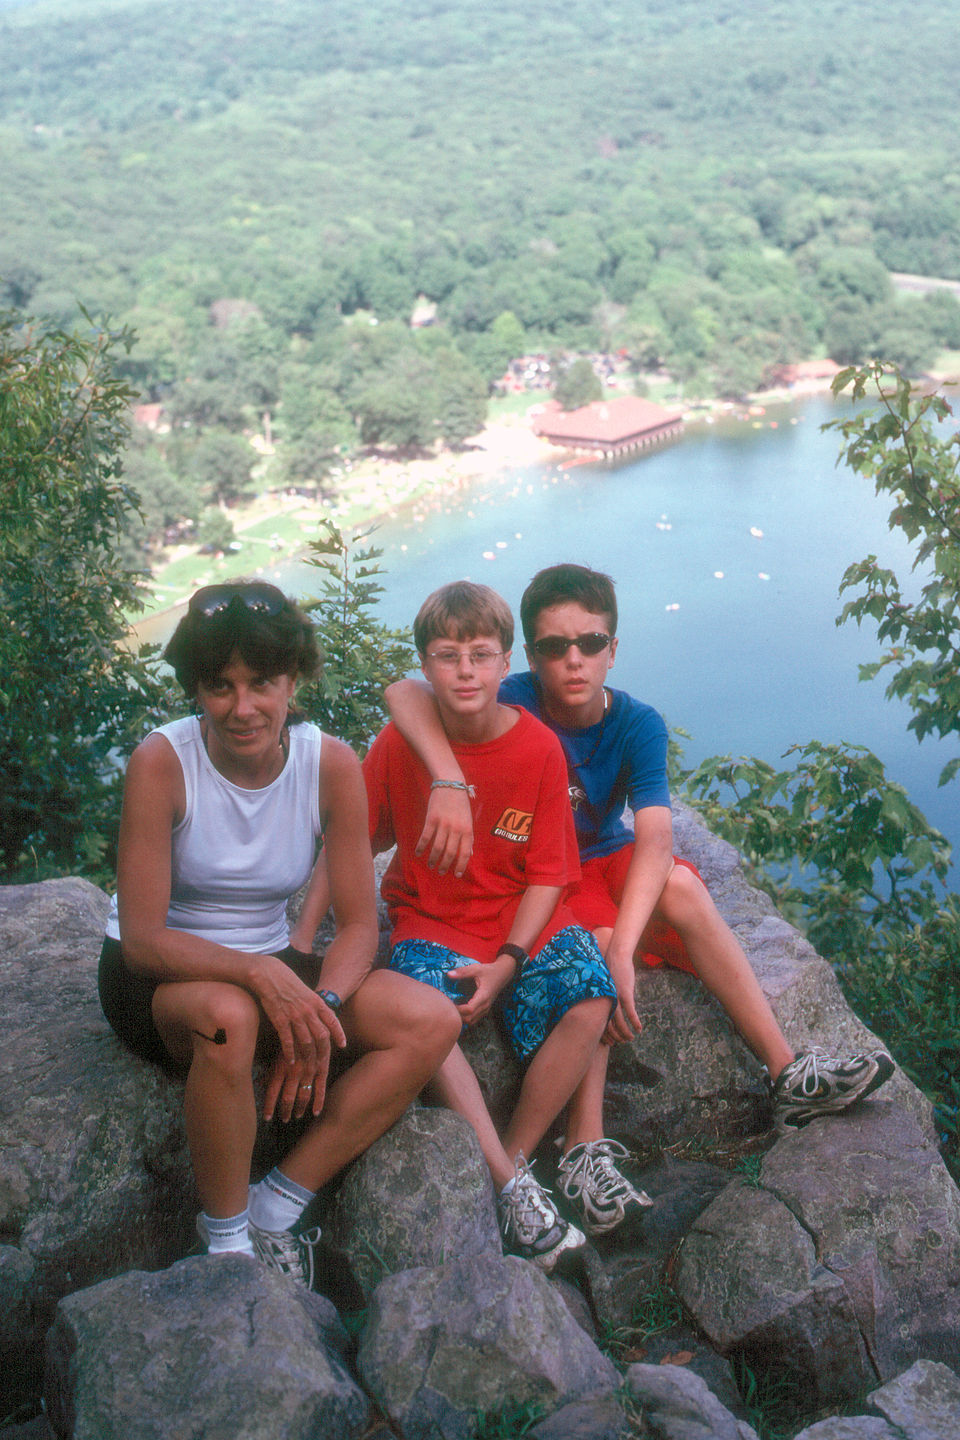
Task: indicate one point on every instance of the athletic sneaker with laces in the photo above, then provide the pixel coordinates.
(603, 1197)
(284, 1251)
(530, 1224)
(817, 1084)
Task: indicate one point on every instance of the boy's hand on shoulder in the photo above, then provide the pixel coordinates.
(488, 981)
(624, 1023)
(447, 834)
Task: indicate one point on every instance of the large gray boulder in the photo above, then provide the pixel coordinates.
(843, 1265)
(442, 1343)
(214, 1346)
(749, 1276)
(675, 1404)
(921, 1404)
(419, 1195)
(876, 1195)
(94, 1173)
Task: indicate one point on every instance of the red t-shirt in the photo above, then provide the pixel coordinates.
(523, 835)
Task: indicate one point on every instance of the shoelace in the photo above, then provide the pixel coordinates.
(288, 1253)
(596, 1162)
(527, 1200)
(807, 1069)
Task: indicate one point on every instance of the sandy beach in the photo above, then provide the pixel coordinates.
(277, 524)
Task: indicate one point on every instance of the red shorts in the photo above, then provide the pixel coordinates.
(595, 902)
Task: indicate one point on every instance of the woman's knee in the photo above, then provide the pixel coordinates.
(223, 1018)
(391, 1009)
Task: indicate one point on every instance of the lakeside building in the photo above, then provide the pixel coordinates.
(608, 427)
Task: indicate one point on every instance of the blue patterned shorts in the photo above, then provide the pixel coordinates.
(569, 969)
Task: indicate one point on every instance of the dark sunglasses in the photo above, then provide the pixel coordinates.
(554, 647)
(258, 597)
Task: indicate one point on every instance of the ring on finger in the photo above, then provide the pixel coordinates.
(306, 1087)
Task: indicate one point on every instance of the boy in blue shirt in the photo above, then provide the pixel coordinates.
(642, 903)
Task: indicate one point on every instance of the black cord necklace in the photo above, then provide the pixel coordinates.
(579, 764)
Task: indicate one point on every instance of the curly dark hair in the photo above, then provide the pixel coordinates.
(271, 634)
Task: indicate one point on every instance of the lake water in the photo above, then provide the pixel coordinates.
(727, 546)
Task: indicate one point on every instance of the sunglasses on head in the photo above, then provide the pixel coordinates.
(554, 647)
(258, 597)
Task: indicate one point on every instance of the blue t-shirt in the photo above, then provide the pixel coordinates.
(620, 761)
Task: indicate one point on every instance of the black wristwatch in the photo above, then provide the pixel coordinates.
(516, 952)
(331, 998)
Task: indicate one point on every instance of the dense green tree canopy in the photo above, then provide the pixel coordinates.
(356, 161)
(70, 689)
(577, 385)
(667, 187)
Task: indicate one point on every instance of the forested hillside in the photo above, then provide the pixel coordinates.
(712, 187)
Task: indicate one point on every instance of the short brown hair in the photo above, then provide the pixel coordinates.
(461, 611)
(564, 585)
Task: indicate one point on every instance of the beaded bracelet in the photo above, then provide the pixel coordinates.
(453, 785)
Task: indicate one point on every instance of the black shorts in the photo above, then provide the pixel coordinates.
(127, 999)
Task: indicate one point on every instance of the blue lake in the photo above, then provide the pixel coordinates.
(728, 547)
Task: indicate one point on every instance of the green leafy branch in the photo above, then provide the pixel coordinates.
(898, 446)
(831, 839)
(362, 656)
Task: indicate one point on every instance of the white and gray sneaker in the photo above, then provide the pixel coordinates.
(602, 1196)
(530, 1224)
(284, 1251)
(816, 1084)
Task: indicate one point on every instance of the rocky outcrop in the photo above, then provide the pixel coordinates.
(834, 1254)
(445, 1342)
(921, 1404)
(94, 1172)
(227, 1347)
(400, 1207)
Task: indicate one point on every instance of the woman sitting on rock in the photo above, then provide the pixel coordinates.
(222, 816)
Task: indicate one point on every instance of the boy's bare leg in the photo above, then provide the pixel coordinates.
(723, 969)
(555, 1072)
(716, 955)
(456, 1085)
(585, 1111)
(405, 1030)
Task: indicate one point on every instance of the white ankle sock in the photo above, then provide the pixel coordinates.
(277, 1202)
(224, 1234)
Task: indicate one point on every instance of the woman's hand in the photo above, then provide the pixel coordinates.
(304, 1023)
(447, 833)
(294, 1086)
(489, 980)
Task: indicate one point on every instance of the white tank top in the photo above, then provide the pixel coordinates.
(238, 855)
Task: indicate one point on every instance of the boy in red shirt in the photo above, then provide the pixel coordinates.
(499, 932)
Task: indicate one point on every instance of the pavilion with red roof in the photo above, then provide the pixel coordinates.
(608, 427)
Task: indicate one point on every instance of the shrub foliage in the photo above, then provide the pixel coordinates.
(71, 689)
